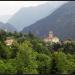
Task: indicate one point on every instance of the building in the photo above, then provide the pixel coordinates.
(51, 38)
(67, 41)
(9, 41)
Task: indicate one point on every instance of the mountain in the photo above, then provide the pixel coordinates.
(7, 26)
(61, 22)
(4, 18)
(29, 15)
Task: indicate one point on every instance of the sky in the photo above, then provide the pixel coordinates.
(9, 8)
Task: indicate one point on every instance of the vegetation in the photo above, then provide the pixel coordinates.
(30, 55)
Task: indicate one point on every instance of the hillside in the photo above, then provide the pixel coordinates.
(29, 15)
(61, 22)
(9, 27)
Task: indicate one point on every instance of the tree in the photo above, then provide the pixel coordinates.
(2, 67)
(26, 59)
(15, 49)
(44, 63)
(69, 47)
(54, 69)
(11, 67)
(39, 46)
(65, 63)
(5, 51)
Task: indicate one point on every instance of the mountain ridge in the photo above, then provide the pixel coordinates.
(7, 26)
(27, 16)
(58, 22)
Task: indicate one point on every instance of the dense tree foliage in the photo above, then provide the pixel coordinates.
(30, 55)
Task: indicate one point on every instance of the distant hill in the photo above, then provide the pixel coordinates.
(8, 27)
(4, 18)
(29, 15)
(61, 22)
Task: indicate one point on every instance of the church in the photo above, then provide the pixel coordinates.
(51, 38)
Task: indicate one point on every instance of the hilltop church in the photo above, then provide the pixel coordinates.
(51, 38)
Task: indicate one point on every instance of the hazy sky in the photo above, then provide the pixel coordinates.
(11, 7)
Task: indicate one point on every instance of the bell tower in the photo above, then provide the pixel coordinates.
(50, 35)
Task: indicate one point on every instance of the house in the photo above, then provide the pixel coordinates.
(67, 41)
(9, 41)
(51, 38)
